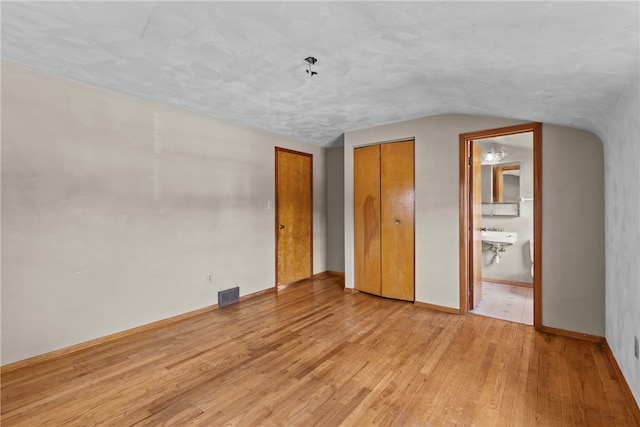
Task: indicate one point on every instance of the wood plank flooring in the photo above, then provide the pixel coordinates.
(315, 355)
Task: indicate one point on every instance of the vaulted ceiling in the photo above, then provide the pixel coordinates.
(558, 62)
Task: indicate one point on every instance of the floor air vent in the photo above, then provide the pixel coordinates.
(228, 297)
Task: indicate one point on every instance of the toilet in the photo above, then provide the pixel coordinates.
(531, 255)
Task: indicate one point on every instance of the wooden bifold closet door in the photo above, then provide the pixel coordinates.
(384, 220)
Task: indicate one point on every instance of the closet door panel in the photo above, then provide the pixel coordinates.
(366, 170)
(397, 219)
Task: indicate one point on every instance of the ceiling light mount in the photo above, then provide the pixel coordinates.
(310, 60)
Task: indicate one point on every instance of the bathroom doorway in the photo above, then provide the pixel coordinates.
(500, 223)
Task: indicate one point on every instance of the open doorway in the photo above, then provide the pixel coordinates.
(500, 227)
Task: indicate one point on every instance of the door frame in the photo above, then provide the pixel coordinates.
(277, 206)
(465, 211)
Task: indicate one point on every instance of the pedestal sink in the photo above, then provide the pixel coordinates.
(502, 237)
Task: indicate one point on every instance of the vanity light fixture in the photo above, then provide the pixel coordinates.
(495, 156)
(310, 61)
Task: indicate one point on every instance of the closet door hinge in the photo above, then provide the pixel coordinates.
(470, 160)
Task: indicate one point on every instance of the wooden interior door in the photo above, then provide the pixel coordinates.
(397, 219)
(475, 223)
(294, 218)
(366, 172)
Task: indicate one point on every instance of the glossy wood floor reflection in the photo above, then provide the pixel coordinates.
(315, 355)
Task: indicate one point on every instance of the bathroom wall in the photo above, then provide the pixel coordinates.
(515, 262)
(572, 269)
(115, 210)
(335, 209)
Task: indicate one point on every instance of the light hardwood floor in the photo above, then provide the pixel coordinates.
(315, 355)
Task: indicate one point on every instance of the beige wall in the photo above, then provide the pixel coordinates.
(572, 230)
(437, 215)
(115, 210)
(335, 209)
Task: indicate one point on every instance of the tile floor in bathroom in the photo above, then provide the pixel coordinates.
(513, 303)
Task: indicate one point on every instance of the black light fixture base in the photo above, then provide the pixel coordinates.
(310, 61)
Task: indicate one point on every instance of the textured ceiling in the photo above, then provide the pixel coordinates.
(379, 62)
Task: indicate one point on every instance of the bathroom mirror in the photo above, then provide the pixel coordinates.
(501, 183)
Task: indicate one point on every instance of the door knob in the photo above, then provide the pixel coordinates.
(281, 227)
(396, 221)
